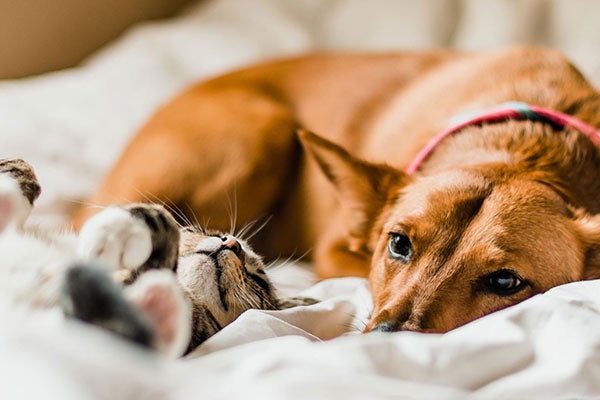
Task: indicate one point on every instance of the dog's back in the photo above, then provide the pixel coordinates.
(235, 135)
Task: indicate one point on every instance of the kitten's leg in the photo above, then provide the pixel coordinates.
(131, 239)
(19, 188)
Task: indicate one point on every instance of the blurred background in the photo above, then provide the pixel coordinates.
(37, 37)
(78, 78)
(40, 36)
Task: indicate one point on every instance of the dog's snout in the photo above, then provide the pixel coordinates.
(386, 326)
(231, 243)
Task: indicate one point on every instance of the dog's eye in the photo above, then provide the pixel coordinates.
(504, 282)
(400, 247)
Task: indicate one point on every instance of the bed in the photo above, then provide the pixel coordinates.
(71, 125)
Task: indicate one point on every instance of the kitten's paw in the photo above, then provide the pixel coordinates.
(19, 188)
(133, 239)
(117, 238)
(90, 295)
(162, 302)
(153, 312)
(164, 234)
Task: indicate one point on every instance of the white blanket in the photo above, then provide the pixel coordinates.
(546, 347)
(72, 125)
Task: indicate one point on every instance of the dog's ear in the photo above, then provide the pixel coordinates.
(363, 187)
(589, 228)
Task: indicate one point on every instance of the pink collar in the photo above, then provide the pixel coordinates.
(504, 111)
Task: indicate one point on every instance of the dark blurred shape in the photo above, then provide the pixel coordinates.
(40, 36)
(91, 296)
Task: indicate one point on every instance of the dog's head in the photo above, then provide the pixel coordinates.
(451, 247)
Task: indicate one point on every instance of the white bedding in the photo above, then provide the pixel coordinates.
(72, 125)
(546, 347)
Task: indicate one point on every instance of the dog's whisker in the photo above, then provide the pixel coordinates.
(355, 320)
(349, 327)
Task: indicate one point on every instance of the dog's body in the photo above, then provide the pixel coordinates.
(516, 198)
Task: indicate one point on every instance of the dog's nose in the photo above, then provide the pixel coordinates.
(386, 326)
(231, 243)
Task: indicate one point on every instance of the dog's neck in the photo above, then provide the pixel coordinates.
(512, 110)
(564, 154)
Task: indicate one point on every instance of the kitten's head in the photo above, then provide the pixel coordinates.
(222, 274)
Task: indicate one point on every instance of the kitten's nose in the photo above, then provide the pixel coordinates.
(232, 244)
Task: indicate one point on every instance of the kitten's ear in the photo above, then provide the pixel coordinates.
(589, 229)
(162, 301)
(363, 188)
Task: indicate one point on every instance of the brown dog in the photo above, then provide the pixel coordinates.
(498, 211)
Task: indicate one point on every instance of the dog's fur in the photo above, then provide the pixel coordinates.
(519, 197)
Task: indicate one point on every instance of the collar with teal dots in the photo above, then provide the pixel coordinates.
(502, 112)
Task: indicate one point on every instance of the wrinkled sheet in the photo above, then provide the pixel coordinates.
(546, 347)
(73, 124)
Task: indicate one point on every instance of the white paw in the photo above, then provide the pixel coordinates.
(14, 207)
(162, 301)
(116, 238)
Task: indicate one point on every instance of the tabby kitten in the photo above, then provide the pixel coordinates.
(132, 270)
